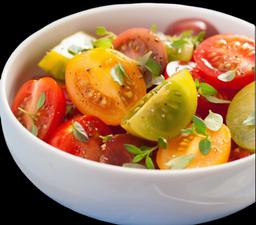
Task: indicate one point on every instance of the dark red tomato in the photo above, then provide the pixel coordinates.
(117, 130)
(238, 152)
(114, 151)
(195, 24)
(226, 52)
(137, 42)
(40, 106)
(64, 138)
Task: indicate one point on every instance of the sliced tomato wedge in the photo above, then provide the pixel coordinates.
(136, 42)
(226, 52)
(114, 151)
(66, 139)
(40, 106)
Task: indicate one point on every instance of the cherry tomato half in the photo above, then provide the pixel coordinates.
(40, 106)
(226, 52)
(195, 24)
(65, 139)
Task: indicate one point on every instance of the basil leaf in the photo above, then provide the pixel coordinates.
(162, 142)
(149, 163)
(153, 67)
(153, 28)
(134, 165)
(187, 131)
(205, 146)
(179, 43)
(213, 121)
(250, 120)
(158, 80)
(227, 76)
(180, 162)
(216, 100)
(186, 34)
(41, 101)
(106, 138)
(199, 125)
(197, 83)
(100, 30)
(118, 74)
(79, 132)
(143, 60)
(34, 129)
(138, 158)
(206, 89)
(198, 38)
(133, 149)
(103, 43)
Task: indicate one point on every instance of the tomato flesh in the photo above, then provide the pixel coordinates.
(64, 138)
(50, 115)
(221, 53)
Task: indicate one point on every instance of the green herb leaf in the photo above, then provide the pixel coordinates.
(34, 129)
(180, 162)
(198, 38)
(133, 149)
(145, 148)
(143, 59)
(227, 76)
(206, 89)
(69, 110)
(75, 49)
(138, 158)
(213, 121)
(41, 101)
(149, 163)
(118, 74)
(158, 80)
(186, 34)
(134, 165)
(205, 146)
(153, 67)
(103, 43)
(216, 100)
(187, 131)
(179, 43)
(197, 83)
(101, 31)
(153, 28)
(79, 132)
(162, 142)
(106, 138)
(199, 125)
(250, 120)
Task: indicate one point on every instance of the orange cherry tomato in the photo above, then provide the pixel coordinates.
(184, 145)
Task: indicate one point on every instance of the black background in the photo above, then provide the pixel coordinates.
(19, 198)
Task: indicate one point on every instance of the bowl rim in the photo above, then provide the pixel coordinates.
(96, 165)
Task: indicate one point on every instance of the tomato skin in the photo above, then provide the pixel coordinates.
(238, 152)
(93, 90)
(195, 24)
(184, 145)
(136, 42)
(50, 115)
(221, 53)
(64, 139)
(114, 151)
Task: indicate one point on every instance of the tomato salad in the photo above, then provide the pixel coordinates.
(183, 98)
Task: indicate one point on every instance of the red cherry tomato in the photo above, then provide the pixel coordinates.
(43, 120)
(221, 53)
(114, 151)
(195, 24)
(238, 152)
(64, 138)
(137, 42)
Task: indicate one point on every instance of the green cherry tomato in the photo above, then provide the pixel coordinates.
(240, 117)
(165, 110)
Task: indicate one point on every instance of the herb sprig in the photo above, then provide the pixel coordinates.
(106, 40)
(34, 116)
(145, 152)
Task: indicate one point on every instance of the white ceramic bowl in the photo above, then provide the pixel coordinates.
(116, 194)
